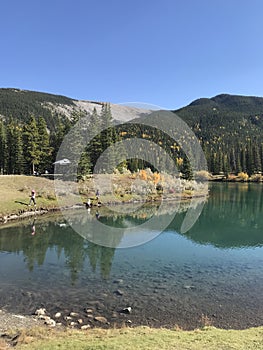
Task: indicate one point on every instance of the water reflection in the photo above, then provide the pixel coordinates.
(56, 237)
(42, 235)
(232, 218)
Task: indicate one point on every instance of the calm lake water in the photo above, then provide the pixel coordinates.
(212, 274)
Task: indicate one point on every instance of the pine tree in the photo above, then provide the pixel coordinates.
(3, 148)
(56, 139)
(107, 139)
(31, 147)
(45, 150)
(257, 159)
(187, 169)
(10, 155)
(243, 160)
(250, 160)
(94, 148)
(19, 161)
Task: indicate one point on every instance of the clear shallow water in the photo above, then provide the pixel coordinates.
(213, 272)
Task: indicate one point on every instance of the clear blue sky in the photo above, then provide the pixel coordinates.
(164, 52)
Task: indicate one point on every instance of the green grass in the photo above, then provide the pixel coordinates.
(141, 338)
(15, 193)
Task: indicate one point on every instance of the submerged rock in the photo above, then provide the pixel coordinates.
(118, 292)
(89, 311)
(126, 310)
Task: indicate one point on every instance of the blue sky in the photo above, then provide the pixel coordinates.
(162, 52)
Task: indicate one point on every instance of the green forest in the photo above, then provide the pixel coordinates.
(229, 129)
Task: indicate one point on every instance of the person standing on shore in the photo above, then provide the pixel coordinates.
(32, 198)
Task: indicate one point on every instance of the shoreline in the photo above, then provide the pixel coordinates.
(130, 338)
(22, 214)
(74, 320)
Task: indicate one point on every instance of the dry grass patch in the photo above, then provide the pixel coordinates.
(15, 192)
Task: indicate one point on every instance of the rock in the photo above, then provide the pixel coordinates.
(74, 314)
(118, 281)
(96, 304)
(126, 310)
(68, 318)
(189, 287)
(89, 311)
(40, 312)
(73, 324)
(50, 322)
(43, 317)
(90, 315)
(58, 314)
(85, 326)
(118, 292)
(101, 319)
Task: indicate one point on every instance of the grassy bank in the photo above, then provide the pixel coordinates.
(140, 338)
(15, 191)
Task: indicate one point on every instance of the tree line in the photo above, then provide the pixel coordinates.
(27, 147)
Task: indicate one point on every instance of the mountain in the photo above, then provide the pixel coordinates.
(230, 129)
(21, 104)
(231, 103)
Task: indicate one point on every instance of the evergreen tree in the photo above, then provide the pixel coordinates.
(84, 166)
(19, 161)
(10, 155)
(45, 150)
(31, 146)
(56, 139)
(187, 169)
(226, 165)
(107, 139)
(257, 159)
(250, 160)
(3, 148)
(243, 160)
(233, 161)
(94, 148)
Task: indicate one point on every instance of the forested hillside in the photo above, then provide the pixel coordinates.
(230, 129)
(20, 105)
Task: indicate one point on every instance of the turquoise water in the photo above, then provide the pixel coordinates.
(213, 271)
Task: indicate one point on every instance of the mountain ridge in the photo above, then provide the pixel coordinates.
(21, 104)
(229, 127)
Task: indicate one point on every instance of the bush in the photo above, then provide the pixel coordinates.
(256, 178)
(202, 175)
(242, 176)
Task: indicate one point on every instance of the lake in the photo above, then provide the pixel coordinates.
(210, 275)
